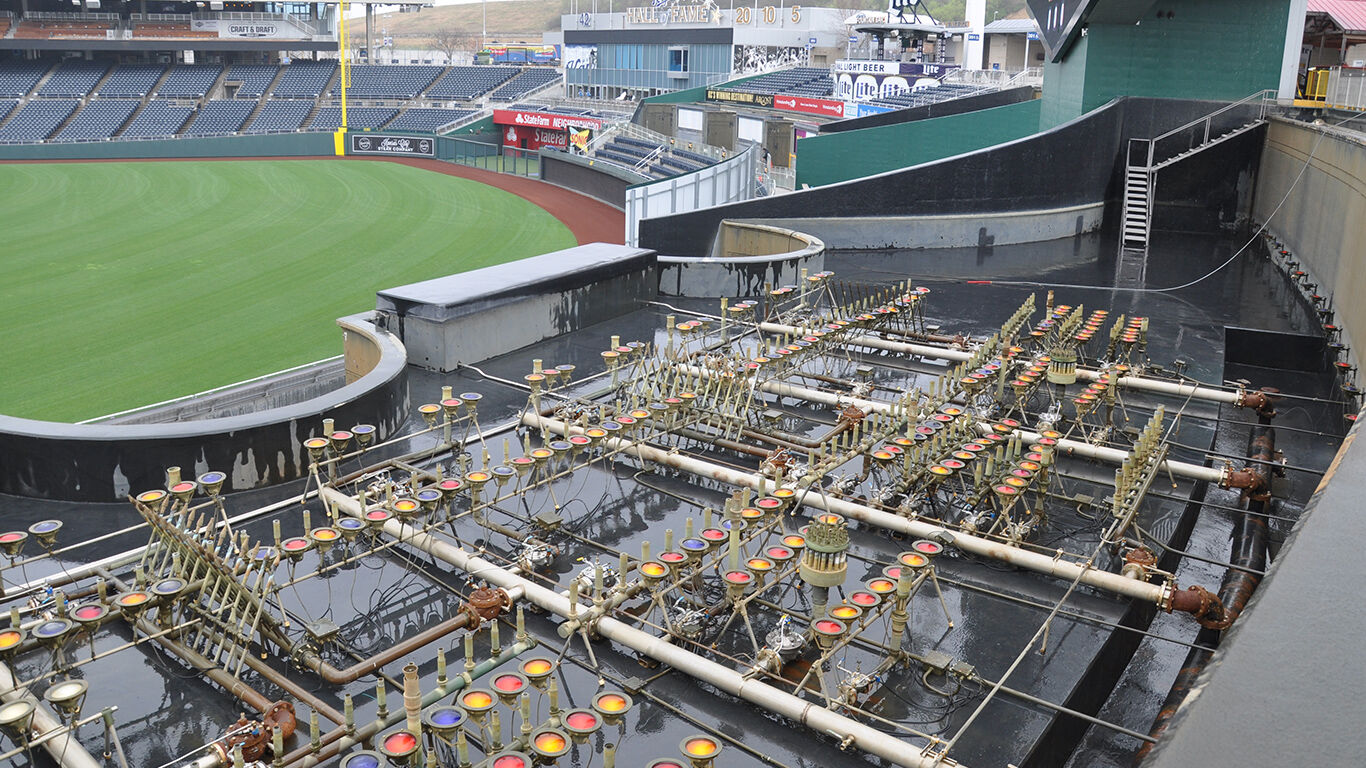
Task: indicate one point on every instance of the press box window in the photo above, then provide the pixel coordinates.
(678, 62)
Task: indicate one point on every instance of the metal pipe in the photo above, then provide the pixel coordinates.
(311, 660)
(1141, 383)
(1159, 594)
(64, 748)
(1073, 447)
(780, 702)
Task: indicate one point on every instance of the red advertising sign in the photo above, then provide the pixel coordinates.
(549, 120)
(810, 106)
(534, 138)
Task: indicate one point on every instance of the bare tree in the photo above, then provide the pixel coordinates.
(448, 40)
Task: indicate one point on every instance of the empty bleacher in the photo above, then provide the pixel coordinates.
(74, 79)
(283, 115)
(99, 119)
(650, 158)
(470, 82)
(925, 96)
(7, 106)
(158, 118)
(131, 80)
(255, 78)
(37, 119)
(386, 81)
(304, 80)
(57, 30)
(428, 119)
(798, 81)
(168, 30)
(17, 78)
(529, 81)
(358, 118)
(220, 116)
(189, 81)
(5, 24)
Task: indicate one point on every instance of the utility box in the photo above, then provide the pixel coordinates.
(721, 129)
(661, 118)
(779, 141)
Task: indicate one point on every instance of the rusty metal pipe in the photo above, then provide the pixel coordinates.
(331, 674)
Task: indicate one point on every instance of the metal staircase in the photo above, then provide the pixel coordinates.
(1146, 157)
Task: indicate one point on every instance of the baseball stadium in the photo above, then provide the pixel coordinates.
(950, 383)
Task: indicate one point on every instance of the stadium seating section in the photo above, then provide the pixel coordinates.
(99, 119)
(428, 119)
(283, 115)
(255, 79)
(304, 79)
(37, 119)
(470, 82)
(359, 118)
(798, 81)
(18, 78)
(59, 30)
(529, 81)
(73, 79)
(135, 80)
(926, 96)
(378, 81)
(189, 82)
(650, 159)
(220, 116)
(158, 118)
(168, 30)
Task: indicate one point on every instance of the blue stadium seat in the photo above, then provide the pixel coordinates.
(37, 119)
(304, 79)
(428, 120)
(158, 118)
(17, 78)
(74, 79)
(470, 82)
(189, 81)
(99, 119)
(359, 118)
(384, 81)
(131, 81)
(255, 78)
(283, 115)
(528, 81)
(220, 116)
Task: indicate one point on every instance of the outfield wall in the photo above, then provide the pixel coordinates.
(265, 145)
(106, 462)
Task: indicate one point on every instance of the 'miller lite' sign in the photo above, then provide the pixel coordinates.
(392, 145)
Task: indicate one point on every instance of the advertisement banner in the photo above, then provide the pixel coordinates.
(255, 30)
(810, 106)
(535, 138)
(859, 109)
(549, 120)
(740, 97)
(360, 144)
(858, 67)
(580, 57)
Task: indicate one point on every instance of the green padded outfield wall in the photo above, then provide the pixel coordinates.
(833, 157)
(265, 145)
(1208, 49)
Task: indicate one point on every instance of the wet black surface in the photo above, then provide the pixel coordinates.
(611, 506)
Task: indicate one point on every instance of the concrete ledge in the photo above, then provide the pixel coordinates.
(105, 462)
(487, 312)
(745, 257)
(952, 230)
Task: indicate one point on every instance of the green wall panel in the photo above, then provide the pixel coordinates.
(270, 145)
(854, 154)
(1209, 49)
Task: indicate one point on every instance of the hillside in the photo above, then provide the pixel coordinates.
(524, 20)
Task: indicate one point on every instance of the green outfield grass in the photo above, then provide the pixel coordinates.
(125, 284)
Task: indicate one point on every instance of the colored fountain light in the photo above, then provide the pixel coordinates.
(751, 513)
(611, 705)
(476, 701)
(298, 544)
(693, 545)
(892, 571)
(1005, 490)
(132, 599)
(581, 722)
(450, 485)
(653, 569)
(549, 743)
(846, 612)
(399, 744)
(366, 759)
(784, 493)
(913, 559)
(168, 587)
(927, 547)
(881, 586)
(672, 557)
(406, 506)
(510, 760)
(768, 503)
(428, 496)
(794, 541)
(864, 599)
(509, 684)
(738, 577)
(701, 747)
(89, 612)
(538, 667)
(779, 554)
(759, 564)
(155, 496)
(378, 515)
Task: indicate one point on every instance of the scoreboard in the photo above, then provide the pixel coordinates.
(1058, 22)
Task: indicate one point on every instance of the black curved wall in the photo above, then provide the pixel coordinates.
(1076, 163)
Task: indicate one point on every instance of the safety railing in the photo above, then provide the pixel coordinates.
(1201, 130)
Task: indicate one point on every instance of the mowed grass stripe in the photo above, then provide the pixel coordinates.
(126, 284)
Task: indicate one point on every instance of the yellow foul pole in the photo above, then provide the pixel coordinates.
(345, 70)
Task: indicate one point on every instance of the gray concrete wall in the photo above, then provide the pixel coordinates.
(1318, 211)
(487, 312)
(746, 257)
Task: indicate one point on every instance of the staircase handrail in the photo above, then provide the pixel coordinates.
(1263, 97)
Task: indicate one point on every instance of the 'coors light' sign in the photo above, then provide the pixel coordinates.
(392, 145)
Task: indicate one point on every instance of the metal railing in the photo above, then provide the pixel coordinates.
(1202, 130)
